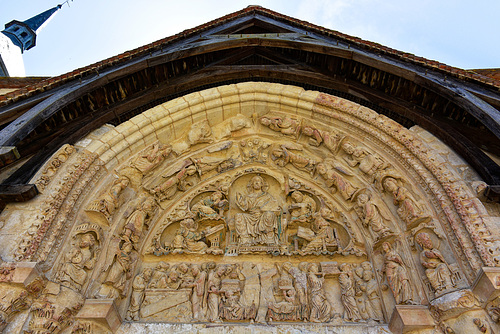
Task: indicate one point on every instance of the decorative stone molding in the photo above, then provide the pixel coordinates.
(101, 311)
(410, 318)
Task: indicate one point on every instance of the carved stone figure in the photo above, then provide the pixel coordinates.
(318, 137)
(284, 124)
(371, 217)
(321, 310)
(258, 223)
(351, 312)
(323, 235)
(396, 272)
(368, 162)
(332, 174)
(283, 155)
(206, 164)
(212, 206)
(152, 156)
(302, 208)
(409, 210)
(135, 223)
(197, 298)
(108, 202)
(436, 268)
(287, 309)
(187, 238)
(138, 286)
(159, 276)
(232, 124)
(213, 289)
(373, 306)
(117, 274)
(168, 188)
(79, 259)
(198, 133)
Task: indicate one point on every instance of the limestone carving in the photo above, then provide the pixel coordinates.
(409, 209)
(117, 272)
(212, 206)
(80, 260)
(397, 275)
(372, 217)
(178, 181)
(236, 123)
(198, 133)
(368, 162)
(258, 223)
(284, 154)
(138, 286)
(331, 141)
(12, 301)
(347, 287)
(54, 164)
(302, 208)
(436, 268)
(288, 126)
(369, 287)
(320, 308)
(107, 203)
(333, 174)
(323, 237)
(53, 311)
(138, 221)
(187, 239)
(254, 150)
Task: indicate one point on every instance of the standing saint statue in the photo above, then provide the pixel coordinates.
(258, 223)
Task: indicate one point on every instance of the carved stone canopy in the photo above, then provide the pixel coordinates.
(255, 202)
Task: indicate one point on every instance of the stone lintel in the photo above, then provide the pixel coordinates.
(407, 318)
(102, 311)
(487, 284)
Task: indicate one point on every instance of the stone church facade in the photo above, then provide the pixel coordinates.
(254, 174)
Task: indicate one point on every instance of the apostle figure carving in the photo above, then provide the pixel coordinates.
(197, 301)
(117, 274)
(436, 268)
(79, 260)
(323, 235)
(187, 238)
(397, 275)
(371, 217)
(258, 223)
(212, 206)
(321, 310)
(409, 210)
(373, 306)
(302, 208)
(108, 202)
(138, 286)
(351, 311)
(135, 223)
(213, 289)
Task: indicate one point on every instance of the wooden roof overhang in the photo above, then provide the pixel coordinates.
(254, 46)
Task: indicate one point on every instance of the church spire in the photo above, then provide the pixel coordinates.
(23, 34)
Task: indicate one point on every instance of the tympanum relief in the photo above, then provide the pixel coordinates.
(266, 218)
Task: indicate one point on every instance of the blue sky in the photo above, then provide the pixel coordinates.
(459, 33)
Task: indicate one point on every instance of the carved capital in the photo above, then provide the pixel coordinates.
(101, 311)
(406, 318)
(487, 284)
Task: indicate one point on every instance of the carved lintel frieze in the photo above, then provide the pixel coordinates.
(487, 284)
(102, 311)
(406, 318)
